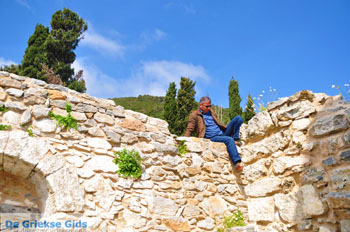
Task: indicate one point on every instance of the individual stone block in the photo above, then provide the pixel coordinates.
(40, 111)
(259, 125)
(329, 125)
(263, 187)
(345, 225)
(312, 203)
(345, 156)
(104, 118)
(162, 206)
(46, 125)
(340, 178)
(339, 200)
(177, 224)
(290, 207)
(15, 92)
(11, 118)
(295, 163)
(10, 83)
(261, 209)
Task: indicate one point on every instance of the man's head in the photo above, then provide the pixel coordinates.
(205, 104)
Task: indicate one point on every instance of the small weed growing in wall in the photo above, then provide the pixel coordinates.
(129, 163)
(236, 219)
(30, 132)
(68, 121)
(3, 109)
(182, 147)
(5, 127)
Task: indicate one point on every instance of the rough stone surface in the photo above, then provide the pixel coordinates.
(261, 209)
(329, 125)
(263, 187)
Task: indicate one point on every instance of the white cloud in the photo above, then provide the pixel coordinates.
(150, 78)
(156, 35)
(24, 3)
(4, 62)
(102, 44)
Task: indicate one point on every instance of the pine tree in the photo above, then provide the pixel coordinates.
(55, 50)
(234, 99)
(35, 54)
(249, 110)
(170, 107)
(66, 32)
(185, 103)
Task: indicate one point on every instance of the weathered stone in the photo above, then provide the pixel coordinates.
(84, 108)
(85, 173)
(142, 117)
(340, 178)
(50, 164)
(10, 83)
(162, 206)
(329, 125)
(207, 224)
(214, 205)
(129, 139)
(161, 125)
(11, 117)
(14, 92)
(95, 131)
(172, 161)
(101, 163)
(345, 225)
(104, 118)
(78, 116)
(339, 200)
(261, 209)
(4, 73)
(26, 117)
(99, 143)
(69, 195)
(263, 187)
(56, 87)
(305, 225)
(58, 103)
(46, 125)
(301, 124)
(133, 220)
(56, 95)
(177, 224)
(300, 109)
(290, 207)
(329, 161)
(191, 211)
(345, 156)
(147, 184)
(133, 124)
(75, 160)
(312, 204)
(275, 104)
(259, 125)
(40, 111)
(15, 106)
(295, 163)
(256, 170)
(113, 137)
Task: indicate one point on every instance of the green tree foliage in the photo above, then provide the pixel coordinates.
(170, 107)
(13, 68)
(234, 99)
(185, 104)
(249, 109)
(67, 30)
(35, 54)
(55, 50)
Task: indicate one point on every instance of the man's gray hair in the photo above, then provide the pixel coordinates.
(204, 99)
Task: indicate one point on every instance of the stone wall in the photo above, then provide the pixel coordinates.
(296, 156)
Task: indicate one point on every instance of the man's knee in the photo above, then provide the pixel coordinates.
(229, 141)
(238, 119)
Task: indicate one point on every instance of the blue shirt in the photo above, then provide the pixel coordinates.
(211, 128)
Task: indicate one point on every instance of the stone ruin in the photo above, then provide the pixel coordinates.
(296, 156)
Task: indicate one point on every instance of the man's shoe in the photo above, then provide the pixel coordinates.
(238, 143)
(238, 167)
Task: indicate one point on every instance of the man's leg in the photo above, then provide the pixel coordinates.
(233, 127)
(230, 145)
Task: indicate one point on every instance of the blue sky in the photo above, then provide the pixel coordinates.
(139, 47)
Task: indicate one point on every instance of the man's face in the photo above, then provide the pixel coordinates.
(205, 106)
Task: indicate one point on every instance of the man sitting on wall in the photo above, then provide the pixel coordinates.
(204, 122)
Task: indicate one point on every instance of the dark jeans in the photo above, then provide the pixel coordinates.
(231, 133)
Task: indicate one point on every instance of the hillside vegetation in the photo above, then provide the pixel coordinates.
(153, 106)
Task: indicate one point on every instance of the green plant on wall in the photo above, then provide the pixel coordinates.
(129, 163)
(68, 121)
(3, 109)
(182, 147)
(236, 219)
(5, 127)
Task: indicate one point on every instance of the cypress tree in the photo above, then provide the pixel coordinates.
(234, 99)
(249, 109)
(185, 103)
(170, 107)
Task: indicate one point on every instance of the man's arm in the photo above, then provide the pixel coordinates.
(191, 125)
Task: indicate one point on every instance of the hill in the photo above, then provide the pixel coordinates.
(154, 106)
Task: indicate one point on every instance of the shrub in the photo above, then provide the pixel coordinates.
(5, 127)
(236, 219)
(67, 121)
(259, 102)
(182, 147)
(3, 109)
(129, 163)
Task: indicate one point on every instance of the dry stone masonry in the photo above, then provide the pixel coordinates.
(296, 156)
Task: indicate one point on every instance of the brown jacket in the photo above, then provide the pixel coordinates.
(196, 123)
